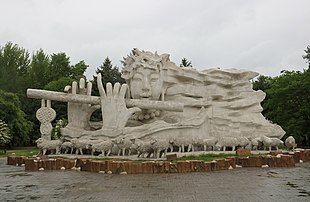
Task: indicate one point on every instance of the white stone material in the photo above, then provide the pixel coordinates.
(49, 145)
(163, 101)
(290, 143)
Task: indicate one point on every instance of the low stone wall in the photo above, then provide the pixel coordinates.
(287, 159)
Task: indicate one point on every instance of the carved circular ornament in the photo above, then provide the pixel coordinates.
(46, 128)
(46, 114)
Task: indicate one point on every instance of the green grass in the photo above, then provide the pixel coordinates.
(205, 157)
(23, 151)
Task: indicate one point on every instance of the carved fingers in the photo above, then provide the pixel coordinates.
(100, 86)
(118, 91)
(79, 88)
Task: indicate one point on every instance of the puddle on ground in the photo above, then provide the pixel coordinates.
(20, 174)
(291, 185)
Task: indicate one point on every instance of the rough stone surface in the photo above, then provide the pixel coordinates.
(165, 102)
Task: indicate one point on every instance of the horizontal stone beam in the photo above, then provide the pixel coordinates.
(95, 100)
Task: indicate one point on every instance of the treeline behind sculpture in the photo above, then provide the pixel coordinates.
(286, 102)
(20, 70)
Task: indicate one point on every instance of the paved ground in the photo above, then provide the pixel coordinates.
(245, 184)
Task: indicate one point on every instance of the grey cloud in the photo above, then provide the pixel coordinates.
(260, 35)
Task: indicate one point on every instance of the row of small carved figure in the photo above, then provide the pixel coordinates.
(158, 147)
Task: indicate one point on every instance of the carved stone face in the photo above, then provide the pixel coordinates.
(146, 83)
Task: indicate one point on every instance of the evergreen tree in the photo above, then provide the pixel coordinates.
(185, 63)
(109, 74)
(77, 71)
(14, 64)
(307, 55)
(39, 67)
(59, 67)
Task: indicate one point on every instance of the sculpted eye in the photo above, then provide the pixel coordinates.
(154, 77)
(137, 77)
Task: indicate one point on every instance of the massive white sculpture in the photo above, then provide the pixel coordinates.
(163, 101)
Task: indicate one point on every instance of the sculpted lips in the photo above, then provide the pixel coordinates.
(145, 95)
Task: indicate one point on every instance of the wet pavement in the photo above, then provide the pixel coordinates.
(241, 184)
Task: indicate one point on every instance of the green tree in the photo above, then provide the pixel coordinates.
(262, 83)
(77, 71)
(59, 67)
(39, 67)
(109, 74)
(5, 134)
(288, 104)
(14, 64)
(185, 63)
(307, 55)
(11, 113)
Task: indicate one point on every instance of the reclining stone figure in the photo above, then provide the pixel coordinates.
(161, 100)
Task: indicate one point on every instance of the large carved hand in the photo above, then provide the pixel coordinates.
(114, 111)
(78, 113)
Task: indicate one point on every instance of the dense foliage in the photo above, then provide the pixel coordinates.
(287, 101)
(14, 117)
(5, 134)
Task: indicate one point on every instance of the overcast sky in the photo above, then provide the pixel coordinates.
(266, 36)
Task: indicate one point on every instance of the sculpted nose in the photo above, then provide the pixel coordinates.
(146, 85)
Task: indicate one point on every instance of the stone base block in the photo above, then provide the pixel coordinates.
(11, 160)
(136, 168)
(49, 164)
(288, 161)
(147, 167)
(184, 166)
(69, 163)
(221, 164)
(307, 155)
(95, 166)
(213, 166)
(30, 165)
(231, 161)
(161, 167)
(173, 168)
(197, 166)
(171, 157)
(207, 166)
(85, 165)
